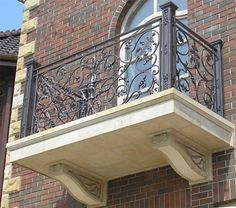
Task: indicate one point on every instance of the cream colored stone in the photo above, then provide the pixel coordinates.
(182, 157)
(8, 171)
(30, 25)
(78, 187)
(14, 128)
(17, 101)
(30, 4)
(5, 201)
(27, 49)
(14, 115)
(23, 39)
(7, 156)
(20, 75)
(5, 181)
(11, 138)
(12, 185)
(10, 132)
(17, 89)
(26, 15)
(20, 63)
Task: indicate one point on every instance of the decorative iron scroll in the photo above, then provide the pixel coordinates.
(125, 68)
(195, 67)
(115, 72)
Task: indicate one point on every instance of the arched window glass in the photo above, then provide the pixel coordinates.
(144, 11)
(139, 13)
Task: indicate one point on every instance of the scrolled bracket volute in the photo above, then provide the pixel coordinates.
(81, 185)
(188, 161)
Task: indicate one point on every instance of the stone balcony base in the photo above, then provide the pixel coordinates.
(164, 128)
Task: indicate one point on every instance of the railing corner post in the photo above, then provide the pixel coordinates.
(29, 97)
(168, 46)
(218, 78)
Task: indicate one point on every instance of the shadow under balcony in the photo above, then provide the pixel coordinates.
(179, 123)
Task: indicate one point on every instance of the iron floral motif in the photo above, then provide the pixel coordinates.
(195, 69)
(165, 16)
(115, 73)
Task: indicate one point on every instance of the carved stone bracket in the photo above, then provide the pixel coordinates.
(192, 163)
(81, 185)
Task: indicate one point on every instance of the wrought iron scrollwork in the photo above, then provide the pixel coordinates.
(124, 68)
(195, 65)
(121, 70)
(115, 73)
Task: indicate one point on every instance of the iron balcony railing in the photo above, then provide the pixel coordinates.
(159, 55)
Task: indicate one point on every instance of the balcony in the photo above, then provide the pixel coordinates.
(147, 98)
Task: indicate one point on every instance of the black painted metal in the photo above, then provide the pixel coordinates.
(116, 72)
(218, 79)
(168, 46)
(159, 55)
(198, 64)
(29, 98)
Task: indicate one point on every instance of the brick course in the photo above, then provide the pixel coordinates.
(162, 187)
(66, 27)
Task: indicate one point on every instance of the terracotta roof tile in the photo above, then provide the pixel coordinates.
(9, 42)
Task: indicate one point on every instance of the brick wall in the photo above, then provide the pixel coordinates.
(39, 191)
(65, 27)
(163, 188)
(74, 24)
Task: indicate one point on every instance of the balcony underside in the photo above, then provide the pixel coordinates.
(165, 128)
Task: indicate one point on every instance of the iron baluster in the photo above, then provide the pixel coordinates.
(168, 46)
(218, 78)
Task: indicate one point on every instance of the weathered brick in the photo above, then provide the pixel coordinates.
(66, 27)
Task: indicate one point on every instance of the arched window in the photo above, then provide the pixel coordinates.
(142, 72)
(144, 11)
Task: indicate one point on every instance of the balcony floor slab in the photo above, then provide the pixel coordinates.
(118, 141)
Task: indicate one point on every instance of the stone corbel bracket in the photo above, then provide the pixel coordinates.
(192, 163)
(82, 186)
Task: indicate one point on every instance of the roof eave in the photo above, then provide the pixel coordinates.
(8, 57)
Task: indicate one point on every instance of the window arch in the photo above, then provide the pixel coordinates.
(146, 10)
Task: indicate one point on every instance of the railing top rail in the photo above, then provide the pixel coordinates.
(70, 57)
(197, 37)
